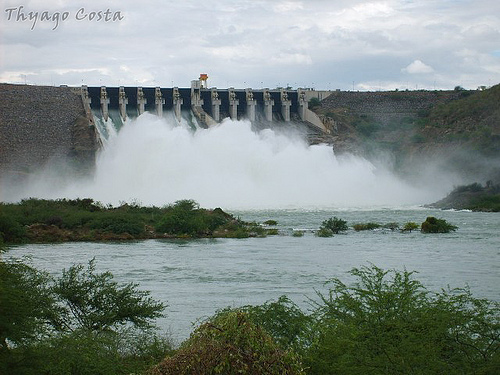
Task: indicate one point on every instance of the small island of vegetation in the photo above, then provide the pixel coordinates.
(40, 220)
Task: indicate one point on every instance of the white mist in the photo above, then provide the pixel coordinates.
(156, 163)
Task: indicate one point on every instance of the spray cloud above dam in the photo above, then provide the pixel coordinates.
(155, 161)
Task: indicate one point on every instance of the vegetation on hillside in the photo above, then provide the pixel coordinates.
(475, 197)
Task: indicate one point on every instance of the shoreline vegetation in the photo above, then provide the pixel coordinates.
(386, 322)
(474, 197)
(63, 220)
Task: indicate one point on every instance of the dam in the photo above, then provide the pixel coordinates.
(209, 105)
(42, 125)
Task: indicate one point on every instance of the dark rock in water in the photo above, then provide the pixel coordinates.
(474, 197)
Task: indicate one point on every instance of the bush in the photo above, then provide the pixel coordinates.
(271, 222)
(388, 323)
(11, 230)
(410, 226)
(314, 103)
(433, 225)
(324, 232)
(334, 224)
(366, 226)
(391, 226)
(230, 343)
(81, 323)
(186, 217)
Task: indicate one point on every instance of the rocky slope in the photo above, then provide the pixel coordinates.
(42, 124)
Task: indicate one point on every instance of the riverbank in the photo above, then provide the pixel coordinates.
(474, 197)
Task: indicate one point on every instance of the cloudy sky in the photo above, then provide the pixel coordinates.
(325, 44)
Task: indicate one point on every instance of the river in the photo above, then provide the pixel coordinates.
(197, 277)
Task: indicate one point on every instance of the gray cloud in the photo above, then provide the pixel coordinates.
(328, 44)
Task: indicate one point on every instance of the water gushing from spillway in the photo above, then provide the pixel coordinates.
(155, 161)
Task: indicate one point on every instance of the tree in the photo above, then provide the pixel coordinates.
(93, 301)
(314, 102)
(26, 304)
(81, 323)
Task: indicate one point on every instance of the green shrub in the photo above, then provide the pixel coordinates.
(230, 343)
(314, 103)
(334, 224)
(298, 233)
(388, 323)
(11, 230)
(80, 323)
(324, 232)
(410, 226)
(271, 222)
(365, 226)
(117, 223)
(391, 226)
(434, 225)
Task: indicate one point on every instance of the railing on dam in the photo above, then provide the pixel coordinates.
(210, 105)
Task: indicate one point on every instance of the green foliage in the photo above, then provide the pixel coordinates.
(284, 321)
(314, 103)
(10, 229)
(38, 220)
(324, 232)
(410, 226)
(485, 203)
(230, 343)
(434, 225)
(271, 222)
(104, 353)
(298, 233)
(26, 304)
(94, 302)
(391, 226)
(80, 323)
(118, 223)
(388, 323)
(365, 226)
(334, 224)
(186, 217)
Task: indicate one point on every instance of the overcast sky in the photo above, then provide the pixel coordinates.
(325, 44)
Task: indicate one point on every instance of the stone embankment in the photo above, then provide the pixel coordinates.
(388, 106)
(41, 125)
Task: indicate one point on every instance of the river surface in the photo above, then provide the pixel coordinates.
(197, 277)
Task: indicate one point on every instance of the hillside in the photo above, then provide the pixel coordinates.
(456, 131)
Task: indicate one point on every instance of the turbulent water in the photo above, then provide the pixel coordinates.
(155, 161)
(197, 277)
